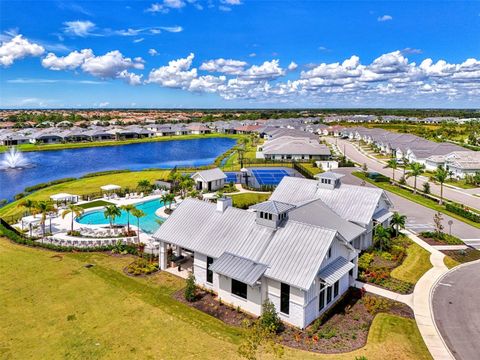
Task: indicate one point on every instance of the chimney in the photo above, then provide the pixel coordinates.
(223, 203)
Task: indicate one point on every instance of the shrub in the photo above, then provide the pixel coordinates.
(327, 333)
(191, 289)
(269, 318)
(466, 213)
(142, 267)
(426, 188)
(387, 256)
(365, 260)
(374, 304)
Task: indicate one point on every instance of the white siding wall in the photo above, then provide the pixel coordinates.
(253, 302)
(200, 272)
(296, 314)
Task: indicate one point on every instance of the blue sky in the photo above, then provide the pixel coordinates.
(239, 53)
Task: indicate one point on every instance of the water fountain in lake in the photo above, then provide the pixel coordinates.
(13, 159)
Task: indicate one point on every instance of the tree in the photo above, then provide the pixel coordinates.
(73, 209)
(111, 212)
(43, 208)
(440, 176)
(398, 222)
(30, 205)
(258, 338)
(138, 214)
(405, 164)
(144, 185)
(269, 318)
(190, 288)
(185, 184)
(381, 238)
(128, 209)
(393, 164)
(416, 169)
(168, 198)
(437, 220)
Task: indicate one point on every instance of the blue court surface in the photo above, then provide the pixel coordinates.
(269, 176)
(231, 177)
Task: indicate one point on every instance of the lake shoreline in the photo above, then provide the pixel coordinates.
(80, 145)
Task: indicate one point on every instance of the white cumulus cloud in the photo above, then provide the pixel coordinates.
(384, 18)
(177, 74)
(227, 66)
(18, 48)
(69, 62)
(79, 28)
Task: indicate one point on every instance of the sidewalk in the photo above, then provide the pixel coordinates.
(406, 299)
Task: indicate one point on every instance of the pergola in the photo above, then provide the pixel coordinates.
(110, 187)
(64, 197)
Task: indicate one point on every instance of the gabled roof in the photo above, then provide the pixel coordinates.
(238, 268)
(329, 175)
(211, 174)
(272, 207)
(317, 213)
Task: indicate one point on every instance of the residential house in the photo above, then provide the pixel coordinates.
(209, 180)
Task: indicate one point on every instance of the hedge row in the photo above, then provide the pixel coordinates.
(459, 210)
(36, 187)
(19, 239)
(106, 172)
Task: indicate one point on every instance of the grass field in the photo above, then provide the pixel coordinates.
(414, 266)
(86, 186)
(244, 200)
(449, 262)
(46, 147)
(415, 198)
(54, 308)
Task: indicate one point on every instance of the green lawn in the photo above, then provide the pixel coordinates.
(449, 262)
(85, 186)
(415, 198)
(414, 266)
(95, 203)
(54, 308)
(44, 147)
(245, 200)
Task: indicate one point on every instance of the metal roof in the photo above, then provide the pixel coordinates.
(238, 268)
(295, 254)
(335, 270)
(317, 213)
(329, 175)
(211, 174)
(382, 215)
(272, 207)
(353, 203)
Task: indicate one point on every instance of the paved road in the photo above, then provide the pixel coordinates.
(460, 196)
(456, 312)
(420, 218)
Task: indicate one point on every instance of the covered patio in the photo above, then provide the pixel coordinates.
(176, 260)
(110, 190)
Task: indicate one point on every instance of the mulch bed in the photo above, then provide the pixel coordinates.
(463, 256)
(208, 303)
(431, 241)
(343, 328)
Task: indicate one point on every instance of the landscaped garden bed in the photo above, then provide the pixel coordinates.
(439, 238)
(463, 256)
(209, 303)
(344, 327)
(142, 266)
(375, 266)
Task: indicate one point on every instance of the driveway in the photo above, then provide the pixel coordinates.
(456, 312)
(420, 218)
(460, 196)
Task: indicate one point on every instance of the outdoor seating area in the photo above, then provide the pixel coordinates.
(88, 243)
(134, 195)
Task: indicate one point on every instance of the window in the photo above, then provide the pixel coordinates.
(329, 253)
(270, 217)
(209, 272)
(329, 294)
(335, 289)
(239, 288)
(284, 298)
(321, 298)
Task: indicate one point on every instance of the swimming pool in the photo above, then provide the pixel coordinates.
(148, 223)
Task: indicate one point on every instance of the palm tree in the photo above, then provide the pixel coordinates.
(416, 169)
(168, 199)
(138, 214)
(111, 212)
(128, 209)
(44, 207)
(382, 237)
(398, 222)
(75, 210)
(441, 175)
(186, 183)
(405, 164)
(393, 164)
(30, 205)
(144, 185)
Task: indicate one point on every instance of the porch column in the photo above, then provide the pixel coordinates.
(178, 251)
(162, 255)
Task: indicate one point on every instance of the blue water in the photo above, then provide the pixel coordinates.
(148, 223)
(57, 164)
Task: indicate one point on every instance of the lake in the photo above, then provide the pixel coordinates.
(57, 164)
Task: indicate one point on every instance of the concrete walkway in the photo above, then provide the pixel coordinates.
(406, 299)
(450, 247)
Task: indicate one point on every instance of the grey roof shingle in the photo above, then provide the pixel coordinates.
(238, 268)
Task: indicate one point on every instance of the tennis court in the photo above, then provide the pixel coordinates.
(231, 177)
(269, 176)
